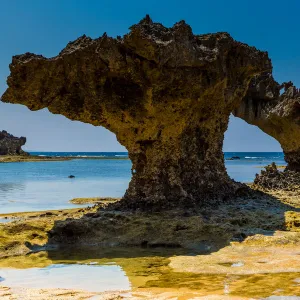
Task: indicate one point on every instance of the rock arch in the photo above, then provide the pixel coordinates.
(166, 93)
(275, 113)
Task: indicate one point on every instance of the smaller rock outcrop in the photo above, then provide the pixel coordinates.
(273, 179)
(11, 145)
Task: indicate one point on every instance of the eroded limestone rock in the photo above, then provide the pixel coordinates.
(275, 113)
(166, 93)
(273, 179)
(11, 145)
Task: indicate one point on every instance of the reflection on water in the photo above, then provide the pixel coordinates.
(6, 188)
(283, 298)
(140, 271)
(6, 220)
(93, 278)
(44, 195)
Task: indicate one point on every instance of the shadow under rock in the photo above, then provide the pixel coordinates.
(204, 229)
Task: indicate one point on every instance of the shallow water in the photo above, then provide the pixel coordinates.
(101, 270)
(45, 185)
(34, 186)
(6, 220)
(92, 278)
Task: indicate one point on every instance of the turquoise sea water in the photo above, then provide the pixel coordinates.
(33, 186)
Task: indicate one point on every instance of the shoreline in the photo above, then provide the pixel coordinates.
(94, 201)
(29, 158)
(36, 158)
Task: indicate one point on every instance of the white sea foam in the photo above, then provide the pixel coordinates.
(95, 156)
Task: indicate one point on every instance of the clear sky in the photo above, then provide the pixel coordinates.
(45, 27)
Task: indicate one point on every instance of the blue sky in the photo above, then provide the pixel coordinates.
(45, 27)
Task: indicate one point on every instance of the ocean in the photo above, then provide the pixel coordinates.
(34, 186)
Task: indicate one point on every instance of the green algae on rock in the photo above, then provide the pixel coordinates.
(208, 229)
(95, 200)
(167, 95)
(30, 230)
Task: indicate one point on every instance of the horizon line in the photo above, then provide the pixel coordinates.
(51, 151)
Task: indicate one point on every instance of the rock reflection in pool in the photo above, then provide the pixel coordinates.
(145, 272)
(93, 278)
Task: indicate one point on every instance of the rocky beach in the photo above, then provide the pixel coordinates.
(258, 233)
(184, 229)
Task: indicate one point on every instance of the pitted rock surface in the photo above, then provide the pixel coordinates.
(11, 145)
(276, 113)
(166, 93)
(273, 179)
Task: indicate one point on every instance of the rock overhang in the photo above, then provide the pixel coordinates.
(166, 93)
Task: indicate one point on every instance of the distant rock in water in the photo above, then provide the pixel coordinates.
(234, 158)
(11, 145)
(71, 176)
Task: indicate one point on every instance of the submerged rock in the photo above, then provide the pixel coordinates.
(234, 158)
(167, 95)
(11, 145)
